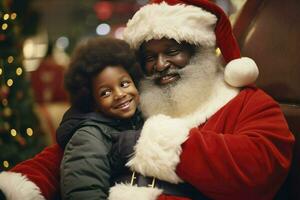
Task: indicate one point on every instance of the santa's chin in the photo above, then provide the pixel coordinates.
(193, 87)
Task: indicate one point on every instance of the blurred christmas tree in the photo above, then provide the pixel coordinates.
(20, 135)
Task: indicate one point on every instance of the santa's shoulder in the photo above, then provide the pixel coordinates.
(252, 96)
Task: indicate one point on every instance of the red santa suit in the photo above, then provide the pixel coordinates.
(243, 151)
(36, 178)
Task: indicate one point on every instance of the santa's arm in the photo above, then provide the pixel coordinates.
(36, 178)
(250, 162)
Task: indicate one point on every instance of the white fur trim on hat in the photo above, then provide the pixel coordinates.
(128, 192)
(158, 149)
(179, 22)
(241, 72)
(15, 186)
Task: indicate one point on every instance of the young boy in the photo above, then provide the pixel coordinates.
(104, 101)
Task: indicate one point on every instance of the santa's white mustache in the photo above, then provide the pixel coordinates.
(158, 75)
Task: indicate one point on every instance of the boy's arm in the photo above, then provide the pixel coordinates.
(123, 148)
(85, 168)
(36, 178)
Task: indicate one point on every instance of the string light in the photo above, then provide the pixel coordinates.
(6, 16)
(19, 71)
(103, 29)
(4, 26)
(13, 132)
(9, 82)
(6, 125)
(29, 131)
(4, 102)
(62, 42)
(13, 16)
(10, 59)
(7, 112)
(5, 163)
(119, 32)
(218, 51)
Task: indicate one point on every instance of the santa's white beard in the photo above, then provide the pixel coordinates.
(187, 94)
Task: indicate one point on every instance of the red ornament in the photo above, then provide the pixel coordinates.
(21, 140)
(4, 91)
(103, 10)
(2, 37)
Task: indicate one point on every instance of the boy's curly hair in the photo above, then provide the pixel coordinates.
(90, 57)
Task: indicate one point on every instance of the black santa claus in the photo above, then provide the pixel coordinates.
(207, 124)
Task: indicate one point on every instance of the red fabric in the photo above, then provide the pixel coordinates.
(224, 35)
(242, 152)
(43, 170)
(47, 82)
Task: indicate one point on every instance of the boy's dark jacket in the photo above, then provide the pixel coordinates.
(88, 139)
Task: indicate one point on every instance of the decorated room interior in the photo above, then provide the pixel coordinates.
(38, 36)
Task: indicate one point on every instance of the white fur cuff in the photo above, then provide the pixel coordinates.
(128, 192)
(158, 149)
(15, 186)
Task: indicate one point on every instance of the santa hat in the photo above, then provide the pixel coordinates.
(198, 22)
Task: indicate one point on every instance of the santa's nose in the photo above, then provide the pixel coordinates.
(162, 63)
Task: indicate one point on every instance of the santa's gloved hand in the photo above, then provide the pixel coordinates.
(123, 148)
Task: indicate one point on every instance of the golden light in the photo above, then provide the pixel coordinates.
(7, 112)
(4, 102)
(1, 71)
(19, 71)
(218, 51)
(10, 59)
(13, 132)
(4, 26)
(6, 16)
(29, 131)
(6, 125)
(13, 16)
(9, 82)
(5, 163)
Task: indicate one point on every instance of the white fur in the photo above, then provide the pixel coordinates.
(15, 186)
(221, 95)
(192, 91)
(179, 22)
(128, 192)
(158, 149)
(241, 72)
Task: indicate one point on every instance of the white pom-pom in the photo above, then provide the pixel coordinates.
(241, 72)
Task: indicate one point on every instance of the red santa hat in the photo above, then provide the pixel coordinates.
(198, 22)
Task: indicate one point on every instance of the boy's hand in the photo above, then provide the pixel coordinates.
(123, 147)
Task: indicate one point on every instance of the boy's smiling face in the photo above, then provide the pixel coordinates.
(115, 93)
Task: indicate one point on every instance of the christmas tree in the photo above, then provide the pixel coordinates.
(20, 135)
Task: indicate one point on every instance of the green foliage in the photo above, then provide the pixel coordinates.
(20, 135)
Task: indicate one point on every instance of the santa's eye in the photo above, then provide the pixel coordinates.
(149, 58)
(172, 52)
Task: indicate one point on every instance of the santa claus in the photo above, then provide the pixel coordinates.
(207, 125)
